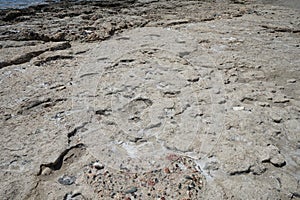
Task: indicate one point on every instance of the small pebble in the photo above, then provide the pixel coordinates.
(291, 81)
(46, 171)
(167, 170)
(276, 118)
(131, 190)
(67, 180)
(238, 108)
(278, 161)
(98, 166)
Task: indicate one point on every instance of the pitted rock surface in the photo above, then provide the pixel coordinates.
(166, 100)
(151, 99)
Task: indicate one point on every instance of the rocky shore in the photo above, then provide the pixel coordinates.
(147, 99)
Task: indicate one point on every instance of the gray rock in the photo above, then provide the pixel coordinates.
(278, 161)
(131, 190)
(67, 180)
(154, 90)
(291, 81)
(276, 117)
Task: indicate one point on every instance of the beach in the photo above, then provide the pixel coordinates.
(146, 99)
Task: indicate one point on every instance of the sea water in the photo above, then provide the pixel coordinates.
(5, 4)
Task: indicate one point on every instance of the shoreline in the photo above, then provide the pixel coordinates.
(150, 100)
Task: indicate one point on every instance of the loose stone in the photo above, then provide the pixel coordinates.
(238, 108)
(131, 190)
(291, 81)
(98, 166)
(67, 180)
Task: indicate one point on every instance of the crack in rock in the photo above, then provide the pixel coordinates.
(74, 131)
(57, 164)
(240, 172)
(26, 57)
(52, 58)
(281, 29)
(103, 112)
(48, 102)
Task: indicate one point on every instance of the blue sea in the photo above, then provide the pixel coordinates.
(5, 4)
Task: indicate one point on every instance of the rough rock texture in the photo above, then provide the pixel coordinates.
(150, 100)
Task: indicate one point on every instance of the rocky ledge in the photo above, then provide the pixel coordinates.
(146, 99)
